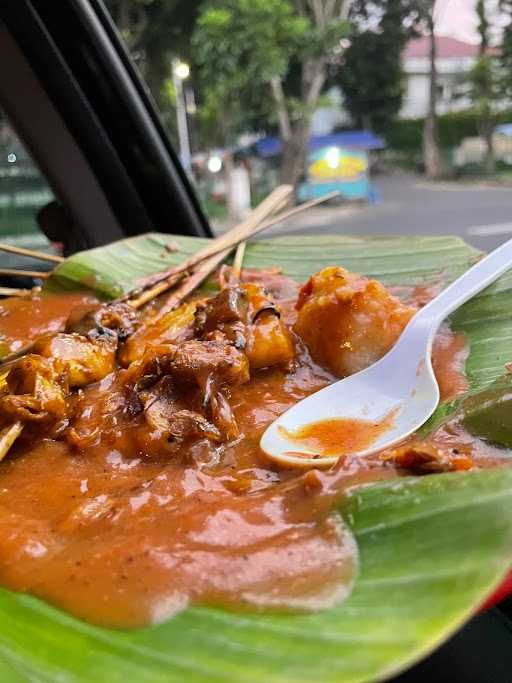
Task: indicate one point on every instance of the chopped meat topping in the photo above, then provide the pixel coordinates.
(425, 458)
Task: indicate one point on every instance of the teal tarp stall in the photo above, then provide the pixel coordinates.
(335, 162)
(338, 169)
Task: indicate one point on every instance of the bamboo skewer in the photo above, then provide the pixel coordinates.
(238, 259)
(156, 284)
(155, 291)
(12, 291)
(208, 266)
(25, 273)
(40, 255)
(8, 436)
(230, 239)
(285, 215)
(236, 268)
(193, 281)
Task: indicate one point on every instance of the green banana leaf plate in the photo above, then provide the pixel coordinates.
(432, 549)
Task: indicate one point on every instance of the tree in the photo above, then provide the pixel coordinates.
(155, 31)
(431, 152)
(485, 91)
(251, 49)
(401, 19)
(371, 70)
(505, 52)
(505, 59)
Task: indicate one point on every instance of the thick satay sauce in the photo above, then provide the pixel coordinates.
(122, 531)
(23, 320)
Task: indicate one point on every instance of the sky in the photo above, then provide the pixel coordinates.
(457, 18)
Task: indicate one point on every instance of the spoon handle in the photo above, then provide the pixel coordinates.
(482, 274)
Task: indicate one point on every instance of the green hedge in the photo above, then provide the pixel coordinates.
(405, 135)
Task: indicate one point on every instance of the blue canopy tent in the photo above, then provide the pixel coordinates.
(336, 162)
(354, 139)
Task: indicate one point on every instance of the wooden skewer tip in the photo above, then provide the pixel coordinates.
(22, 251)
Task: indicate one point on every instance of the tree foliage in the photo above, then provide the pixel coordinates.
(239, 46)
(271, 53)
(370, 74)
(154, 32)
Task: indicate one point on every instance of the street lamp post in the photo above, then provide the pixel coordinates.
(181, 71)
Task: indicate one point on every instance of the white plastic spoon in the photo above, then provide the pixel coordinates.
(401, 386)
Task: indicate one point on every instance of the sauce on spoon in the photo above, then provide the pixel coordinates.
(339, 436)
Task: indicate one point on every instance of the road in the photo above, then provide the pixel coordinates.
(406, 204)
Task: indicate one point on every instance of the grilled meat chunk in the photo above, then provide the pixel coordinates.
(83, 359)
(33, 390)
(206, 367)
(99, 319)
(164, 413)
(172, 327)
(250, 320)
(227, 313)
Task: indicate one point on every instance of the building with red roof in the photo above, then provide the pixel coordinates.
(455, 59)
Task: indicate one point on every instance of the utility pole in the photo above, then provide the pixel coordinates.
(181, 71)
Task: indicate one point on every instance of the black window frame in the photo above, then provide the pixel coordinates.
(92, 102)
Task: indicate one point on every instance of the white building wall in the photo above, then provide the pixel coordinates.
(451, 75)
(415, 100)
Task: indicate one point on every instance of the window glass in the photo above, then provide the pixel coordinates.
(23, 192)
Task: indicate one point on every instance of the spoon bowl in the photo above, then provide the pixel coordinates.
(396, 395)
(397, 390)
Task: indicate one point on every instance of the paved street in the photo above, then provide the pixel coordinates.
(407, 204)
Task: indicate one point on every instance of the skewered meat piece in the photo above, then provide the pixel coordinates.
(207, 366)
(108, 323)
(228, 312)
(33, 390)
(83, 360)
(36, 385)
(268, 340)
(250, 320)
(347, 321)
(100, 319)
(164, 413)
(210, 363)
(173, 327)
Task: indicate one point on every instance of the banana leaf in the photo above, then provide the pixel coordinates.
(488, 413)
(431, 548)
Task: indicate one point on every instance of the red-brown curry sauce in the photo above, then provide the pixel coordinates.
(23, 320)
(122, 534)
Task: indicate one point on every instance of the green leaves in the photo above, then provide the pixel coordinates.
(431, 548)
(394, 260)
(246, 42)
